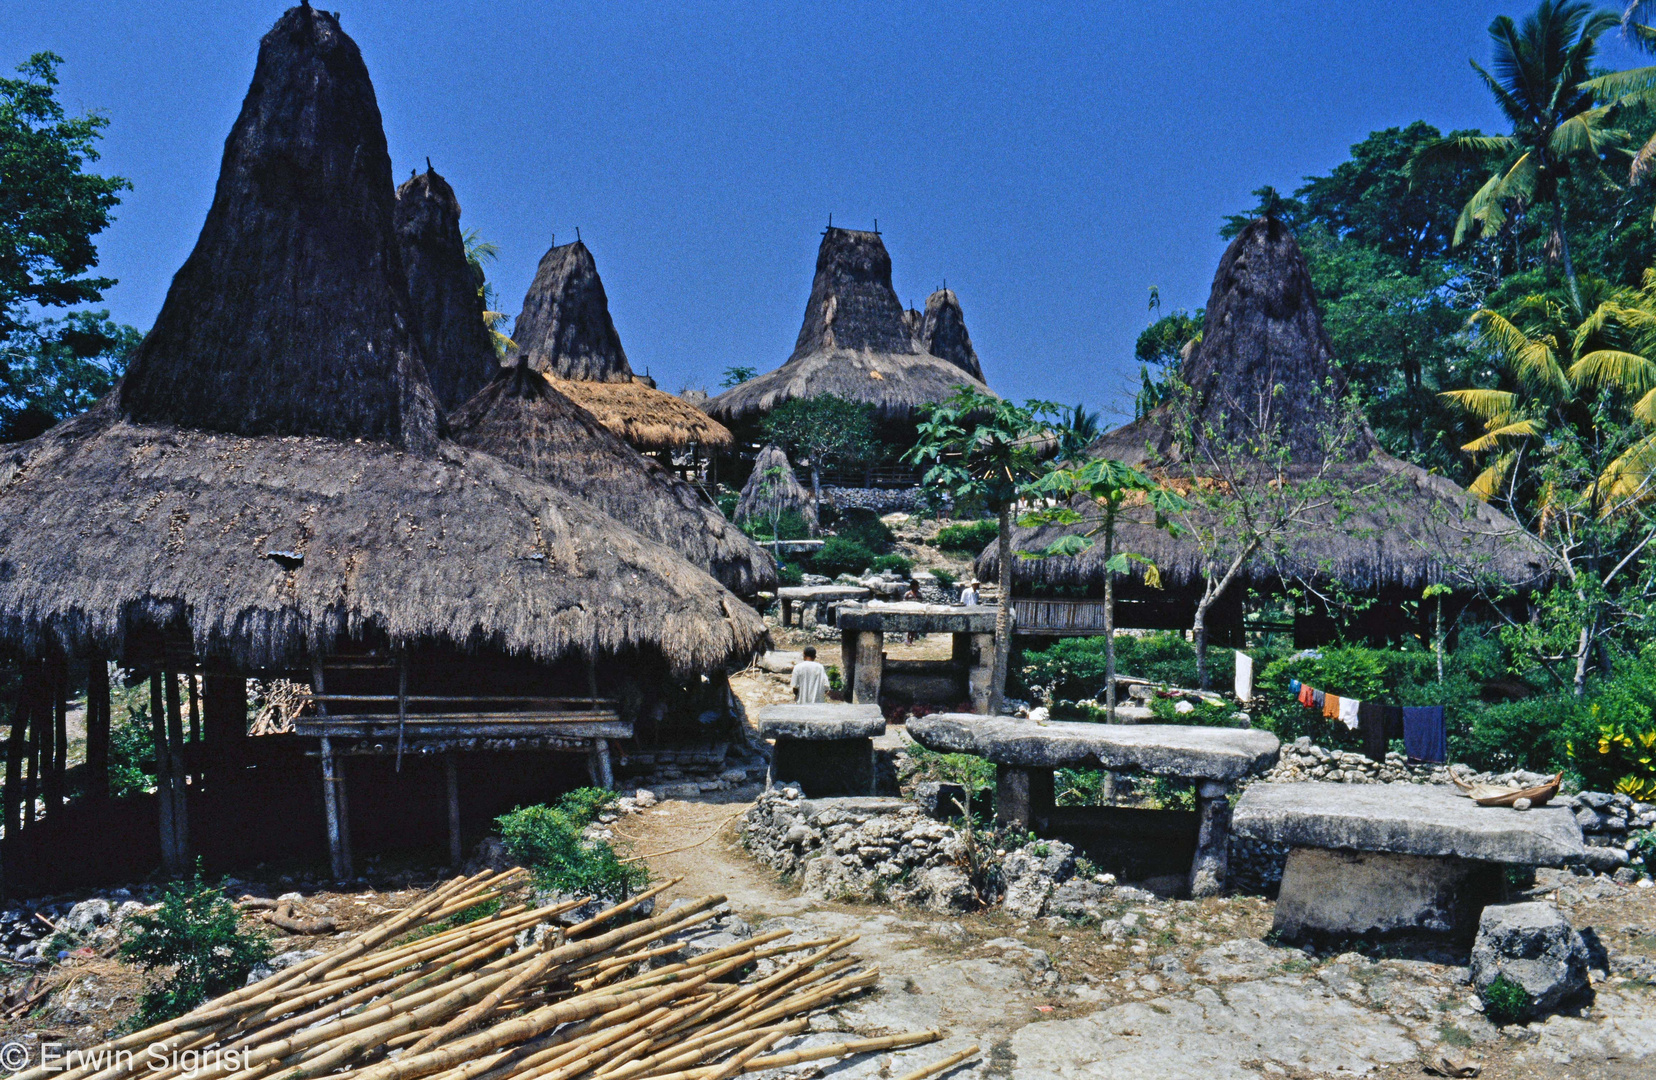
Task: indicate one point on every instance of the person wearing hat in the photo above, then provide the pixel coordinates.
(969, 594)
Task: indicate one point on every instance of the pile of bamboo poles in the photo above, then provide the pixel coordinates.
(484, 1001)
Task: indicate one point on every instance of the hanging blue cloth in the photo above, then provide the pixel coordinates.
(1293, 687)
(1424, 735)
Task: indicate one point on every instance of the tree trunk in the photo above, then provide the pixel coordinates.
(1437, 637)
(1583, 648)
(1198, 634)
(1109, 616)
(1569, 263)
(816, 496)
(1003, 616)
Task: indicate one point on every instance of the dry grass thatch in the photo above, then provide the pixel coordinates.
(943, 333)
(773, 486)
(108, 526)
(1398, 528)
(522, 420)
(648, 418)
(856, 342)
(448, 310)
(566, 332)
(291, 316)
(331, 508)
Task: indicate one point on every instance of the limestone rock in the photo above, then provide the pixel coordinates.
(1032, 873)
(87, 916)
(1534, 946)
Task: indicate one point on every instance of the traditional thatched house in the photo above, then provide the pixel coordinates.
(857, 342)
(566, 333)
(772, 488)
(514, 414)
(269, 493)
(448, 308)
(1264, 365)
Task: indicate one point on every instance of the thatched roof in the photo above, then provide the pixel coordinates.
(565, 331)
(448, 309)
(291, 316)
(270, 550)
(522, 420)
(943, 333)
(855, 342)
(781, 492)
(1263, 331)
(270, 477)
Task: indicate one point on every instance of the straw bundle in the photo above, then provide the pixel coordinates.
(474, 1003)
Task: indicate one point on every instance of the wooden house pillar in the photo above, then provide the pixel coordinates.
(451, 767)
(16, 750)
(334, 805)
(51, 721)
(97, 728)
(172, 860)
(177, 774)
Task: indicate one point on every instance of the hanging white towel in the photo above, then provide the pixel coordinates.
(1348, 712)
(1244, 676)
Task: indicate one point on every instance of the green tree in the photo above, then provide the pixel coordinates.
(1542, 83)
(478, 253)
(980, 449)
(1094, 493)
(823, 429)
(736, 376)
(50, 210)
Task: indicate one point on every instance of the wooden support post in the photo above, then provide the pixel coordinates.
(16, 748)
(171, 860)
(51, 782)
(452, 767)
(1023, 797)
(195, 709)
(1212, 861)
(60, 736)
(402, 707)
(97, 728)
(338, 857)
(870, 667)
(39, 697)
(178, 775)
(601, 755)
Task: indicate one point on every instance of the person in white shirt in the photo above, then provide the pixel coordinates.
(810, 679)
(969, 595)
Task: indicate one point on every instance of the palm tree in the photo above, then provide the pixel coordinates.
(478, 252)
(1542, 83)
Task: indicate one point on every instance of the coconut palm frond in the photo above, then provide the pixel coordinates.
(1489, 482)
(1616, 369)
(1489, 440)
(1486, 405)
(1627, 480)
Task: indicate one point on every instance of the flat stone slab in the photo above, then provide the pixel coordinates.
(1162, 749)
(1406, 819)
(821, 722)
(914, 617)
(811, 593)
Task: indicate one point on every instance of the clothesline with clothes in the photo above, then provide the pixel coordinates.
(1421, 727)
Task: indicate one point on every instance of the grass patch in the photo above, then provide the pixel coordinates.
(1454, 1035)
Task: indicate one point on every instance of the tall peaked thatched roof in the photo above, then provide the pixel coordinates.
(291, 315)
(1262, 332)
(856, 342)
(522, 420)
(565, 332)
(448, 309)
(308, 520)
(943, 333)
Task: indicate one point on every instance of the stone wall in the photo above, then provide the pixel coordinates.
(880, 500)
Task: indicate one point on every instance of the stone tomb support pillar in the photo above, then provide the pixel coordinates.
(1338, 893)
(980, 675)
(869, 667)
(1023, 797)
(1212, 862)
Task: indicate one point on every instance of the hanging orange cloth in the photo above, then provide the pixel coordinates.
(1331, 706)
(1306, 695)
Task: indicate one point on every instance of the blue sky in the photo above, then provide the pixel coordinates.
(1051, 161)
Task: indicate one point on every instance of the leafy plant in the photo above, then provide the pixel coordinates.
(838, 555)
(132, 753)
(821, 430)
(965, 538)
(789, 525)
(864, 526)
(1504, 1001)
(195, 936)
(1170, 794)
(548, 841)
(735, 376)
(900, 564)
(789, 574)
(945, 578)
(836, 680)
(968, 770)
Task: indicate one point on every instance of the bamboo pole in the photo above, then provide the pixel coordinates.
(940, 1067)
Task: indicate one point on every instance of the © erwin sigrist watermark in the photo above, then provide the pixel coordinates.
(55, 1057)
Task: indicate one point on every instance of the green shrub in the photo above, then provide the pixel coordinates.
(1073, 668)
(1170, 794)
(967, 538)
(131, 753)
(968, 770)
(193, 934)
(864, 526)
(901, 564)
(1504, 1001)
(788, 574)
(789, 526)
(1612, 741)
(1528, 734)
(547, 840)
(1201, 714)
(836, 681)
(839, 556)
(945, 578)
(727, 501)
(1078, 787)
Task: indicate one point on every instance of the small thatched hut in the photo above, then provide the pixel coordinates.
(1264, 363)
(943, 333)
(269, 493)
(522, 420)
(856, 342)
(566, 333)
(448, 308)
(773, 487)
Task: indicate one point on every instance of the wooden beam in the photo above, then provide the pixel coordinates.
(171, 861)
(97, 728)
(177, 776)
(16, 750)
(451, 768)
(51, 722)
